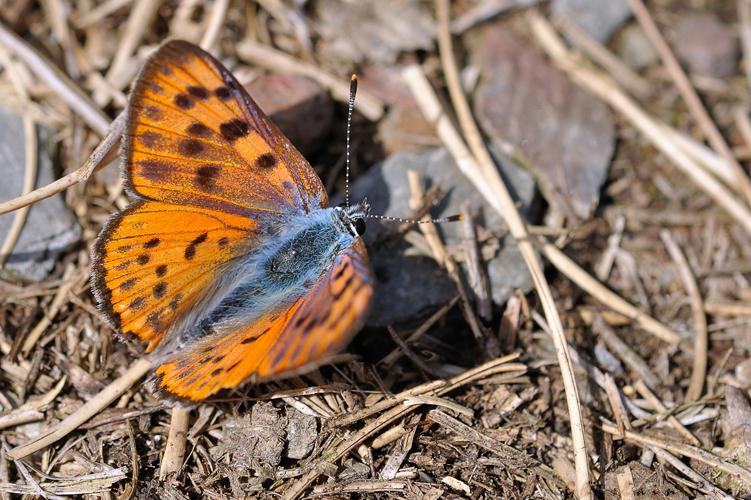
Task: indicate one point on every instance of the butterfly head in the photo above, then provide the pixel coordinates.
(354, 216)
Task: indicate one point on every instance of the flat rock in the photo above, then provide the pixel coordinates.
(599, 18)
(706, 45)
(302, 432)
(252, 439)
(372, 30)
(299, 106)
(410, 285)
(51, 228)
(568, 135)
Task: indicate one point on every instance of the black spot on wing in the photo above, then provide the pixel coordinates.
(206, 175)
(234, 129)
(198, 129)
(153, 242)
(265, 161)
(184, 102)
(191, 147)
(222, 93)
(198, 92)
(159, 290)
(128, 284)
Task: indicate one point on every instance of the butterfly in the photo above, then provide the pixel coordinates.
(229, 264)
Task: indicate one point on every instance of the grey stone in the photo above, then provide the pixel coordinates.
(51, 228)
(409, 285)
(599, 18)
(706, 45)
(372, 30)
(302, 432)
(635, 49)
(567, 135)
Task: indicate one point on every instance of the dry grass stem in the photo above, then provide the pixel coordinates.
(216, 21)
(174, 452)
(658, 405)
(683, 450)
(630, 80)
(480, 169)
(701, 340)
(741, 181)
(604, 88)
(121, 69)
(267, 57)
(338, 450)
(85, 412)
(51, 76)
(102, 155)
(568, 267)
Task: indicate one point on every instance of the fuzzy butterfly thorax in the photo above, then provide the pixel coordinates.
(228, 263)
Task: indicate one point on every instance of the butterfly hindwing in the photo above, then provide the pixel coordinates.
(280, 343)
(196, 137)
(154, 260)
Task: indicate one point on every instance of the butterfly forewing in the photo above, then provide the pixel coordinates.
(195, 137)
(280, 343)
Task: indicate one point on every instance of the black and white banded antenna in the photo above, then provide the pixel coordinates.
(400, 220)
(350, 108)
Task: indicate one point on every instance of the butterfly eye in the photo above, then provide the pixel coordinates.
(360, 226)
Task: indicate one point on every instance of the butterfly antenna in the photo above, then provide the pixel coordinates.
(451, 218)
(350, 108)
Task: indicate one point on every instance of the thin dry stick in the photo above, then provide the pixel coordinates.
(631, 80)
(477, 277)
(616, 403)
(568, 267)
(629, 357)
(704, 156)
(48, 73)
(60, 299)
(440, 255)
(440, 387)
(481, 170)
(690, 473)
(742, 183)
(514, 458)
(216, 21)
(104, 153)
(138, 21)
(84, 413)
(728, 309)
(394, 355)
(266, 57)
(683, 450)
(699, 371)
(30, 161)
(174, 453)
(99, 12)
(603, 87)
(647, 394)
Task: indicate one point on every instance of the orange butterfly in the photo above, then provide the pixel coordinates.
(229, 263)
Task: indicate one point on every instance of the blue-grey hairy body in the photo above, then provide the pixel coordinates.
(269, 277)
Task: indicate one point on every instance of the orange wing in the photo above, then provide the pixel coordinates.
(153, 262)
(196, 137)
(281, 343)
